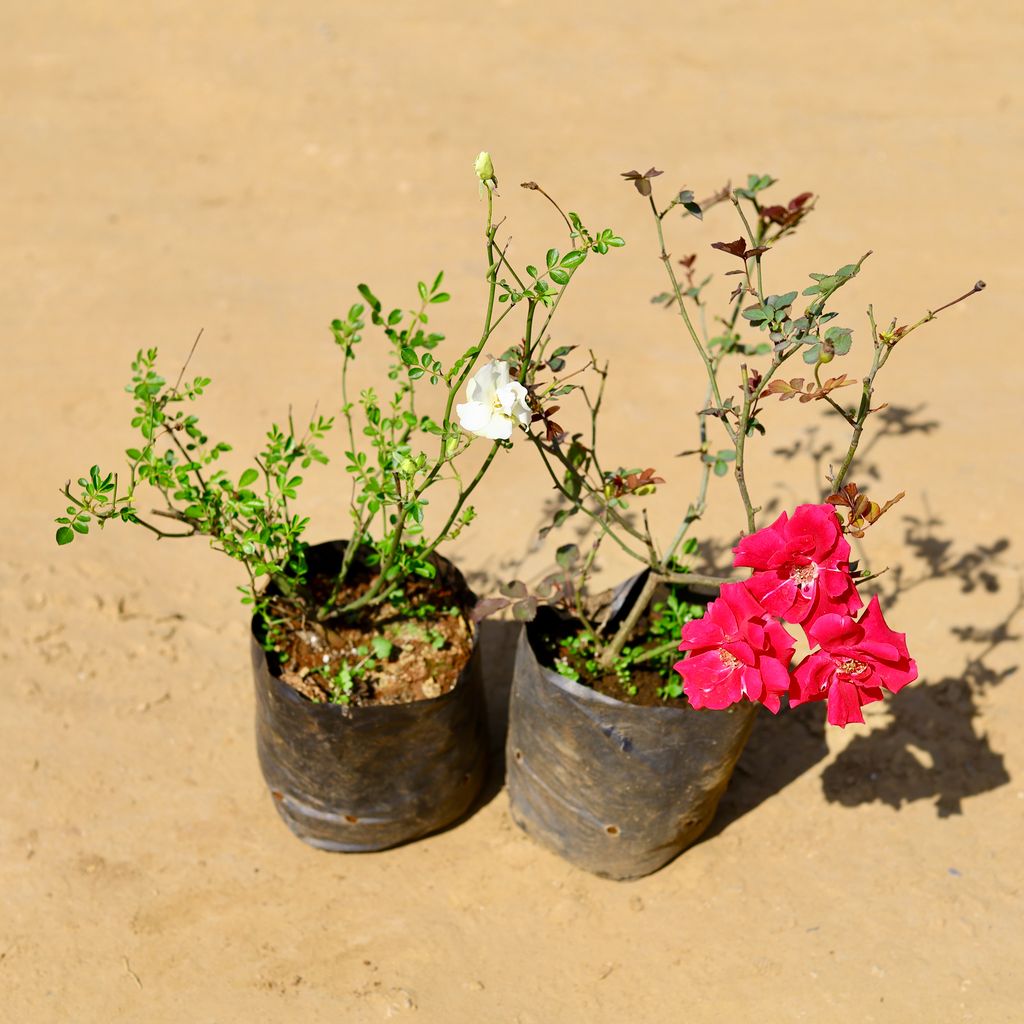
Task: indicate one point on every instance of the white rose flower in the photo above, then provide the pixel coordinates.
(496, 403)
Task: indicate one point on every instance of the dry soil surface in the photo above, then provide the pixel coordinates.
(239, 167)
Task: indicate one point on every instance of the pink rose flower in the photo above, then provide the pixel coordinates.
(735, 651)
(801, 566)
(855, 661)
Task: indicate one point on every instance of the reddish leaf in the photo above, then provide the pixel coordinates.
(642, 181)
(785, 390)
(861, 511)
(737, 248)
(488, 606)
(785, 216)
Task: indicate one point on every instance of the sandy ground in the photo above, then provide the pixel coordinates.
(239, 167)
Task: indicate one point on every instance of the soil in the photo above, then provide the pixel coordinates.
(428, 630)
(643, 685)
(240, 167)
(551, 630)
(646, 684)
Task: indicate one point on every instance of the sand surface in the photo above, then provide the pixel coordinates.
(239, 167)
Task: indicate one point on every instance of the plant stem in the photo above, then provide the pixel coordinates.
(740, 468)
(560, 487)
(622, 634)
(653, 652)
(884, 345)
(881, 354)
(678, 292)
(463, 496)
(382, 582)
(753, 245)
(696, 508)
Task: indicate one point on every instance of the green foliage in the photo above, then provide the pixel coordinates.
(825, 285)
(579, 657)
(836, 341)
(408, 492)
(349, 674)
(719, 462)
(755, 183)
(249, 518)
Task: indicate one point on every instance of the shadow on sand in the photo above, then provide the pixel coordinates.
(931, 748)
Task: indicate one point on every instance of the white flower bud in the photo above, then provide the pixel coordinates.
(485, 169)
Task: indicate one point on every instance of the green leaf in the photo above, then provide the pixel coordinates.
(440, 297)
(567, 555)
(560, 276)
(693, 208)
(525, 611)
(382, 647)
(571, 260)
(65, 535)
(840, 338)
(531, 270)
(248, 477)
(364, 290)
(551, 258)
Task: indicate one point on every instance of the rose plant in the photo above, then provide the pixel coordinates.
(802, 571)
(618, 749)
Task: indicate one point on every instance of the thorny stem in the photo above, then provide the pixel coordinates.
(678, 292)
(753, 244)
(646, 595)
(741, 438)
(884, 344)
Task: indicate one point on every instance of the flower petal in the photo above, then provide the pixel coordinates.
(473, 416)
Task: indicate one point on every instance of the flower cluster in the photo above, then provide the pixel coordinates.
(801, 575)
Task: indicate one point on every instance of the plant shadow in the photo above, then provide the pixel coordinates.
(930, 750)
(780, 749)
